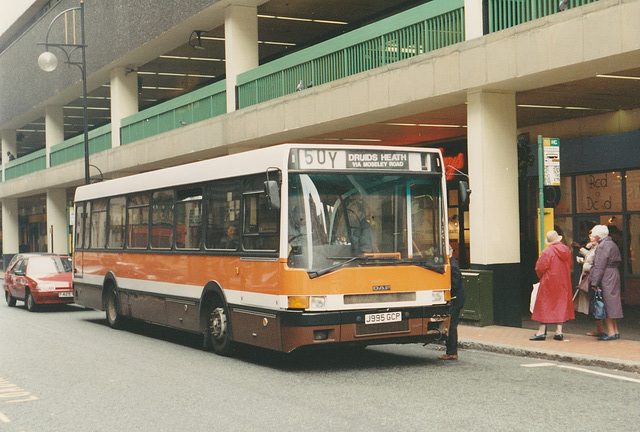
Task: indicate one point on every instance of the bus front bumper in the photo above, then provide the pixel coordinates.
(417, 325)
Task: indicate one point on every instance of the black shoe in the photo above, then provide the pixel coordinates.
(617, 335)
(607, 337)
(558, 336)
(537, 337)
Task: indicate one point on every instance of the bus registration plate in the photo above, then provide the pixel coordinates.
(385, 317)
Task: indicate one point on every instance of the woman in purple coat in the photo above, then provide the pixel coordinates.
(605, 275)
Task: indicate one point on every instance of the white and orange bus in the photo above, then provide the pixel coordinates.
(283, 247)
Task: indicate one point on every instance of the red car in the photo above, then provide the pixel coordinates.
(38, 278)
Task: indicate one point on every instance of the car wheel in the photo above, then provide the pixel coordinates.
(114, 319)
(31, 303)
(11, 301)
(218, 327)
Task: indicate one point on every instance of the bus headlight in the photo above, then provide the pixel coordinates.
(317, 302)
(437, 297)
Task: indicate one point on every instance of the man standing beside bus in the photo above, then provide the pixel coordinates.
(457, 302)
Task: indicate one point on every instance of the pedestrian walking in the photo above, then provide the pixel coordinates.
(554, 302)
(457, 302)
(605, 276)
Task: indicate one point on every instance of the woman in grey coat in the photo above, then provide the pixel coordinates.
(605, 275)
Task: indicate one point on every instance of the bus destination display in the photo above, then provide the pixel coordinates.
(356, 159)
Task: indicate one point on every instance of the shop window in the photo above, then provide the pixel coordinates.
(633, 261)
(564, 227)
(138, 221)
(189, 218)
(162, 219)
(117, 211)
(565, 205)
(599, 193)
(633, 190)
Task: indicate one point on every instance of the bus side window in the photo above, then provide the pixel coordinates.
(87, 227)
(138, 221)
(223, 215)
(260, 223)
(116, 222)
(189, 218)
(80, 216)
(162, 219)
(98, 224)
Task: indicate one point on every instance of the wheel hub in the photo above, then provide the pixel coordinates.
(218, 323)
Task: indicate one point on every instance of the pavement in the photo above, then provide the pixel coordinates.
(621, 354)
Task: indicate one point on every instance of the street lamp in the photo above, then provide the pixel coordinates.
(48, 62)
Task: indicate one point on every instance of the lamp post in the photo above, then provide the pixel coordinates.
(48, 62)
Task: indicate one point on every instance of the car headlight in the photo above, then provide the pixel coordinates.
(45, 287)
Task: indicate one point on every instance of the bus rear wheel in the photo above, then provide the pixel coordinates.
(218, 329)
(114, 319)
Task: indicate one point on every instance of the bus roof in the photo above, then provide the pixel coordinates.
(245, 163)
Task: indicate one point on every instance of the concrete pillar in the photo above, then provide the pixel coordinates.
(10, 230)
(473, 19)
(124, 99)
(8, 141)
(57, 226)
(53, 128)
(240, 44)
(493, 208)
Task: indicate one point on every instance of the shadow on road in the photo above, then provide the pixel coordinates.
(327, 358)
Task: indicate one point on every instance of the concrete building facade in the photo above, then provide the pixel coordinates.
(507, 72)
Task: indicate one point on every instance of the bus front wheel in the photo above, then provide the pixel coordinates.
(218, 330)
(114, 319)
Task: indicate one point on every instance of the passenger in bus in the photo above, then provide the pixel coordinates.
(359, 228)
(230, 240)
(457, 302)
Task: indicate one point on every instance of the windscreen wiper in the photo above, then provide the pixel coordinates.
(367, 258)
(315, 274)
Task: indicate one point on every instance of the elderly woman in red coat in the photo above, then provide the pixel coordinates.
(554, 303)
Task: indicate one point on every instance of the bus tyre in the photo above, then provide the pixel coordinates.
(11, 301)
(114, 319)
(218, 330)
(31, 304)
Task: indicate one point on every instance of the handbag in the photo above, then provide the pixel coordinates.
(599, 311)
(583, 285)
(534, 294)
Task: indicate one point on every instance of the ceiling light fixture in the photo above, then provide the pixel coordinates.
(617, 77)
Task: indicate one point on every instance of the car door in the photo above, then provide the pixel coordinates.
(18, 278)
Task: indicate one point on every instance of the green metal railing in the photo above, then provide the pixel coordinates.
(73, 148)
(508, 13)
(24, 165)
(422, 29)
(198, 105)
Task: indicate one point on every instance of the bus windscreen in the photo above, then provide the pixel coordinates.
(364, 219)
